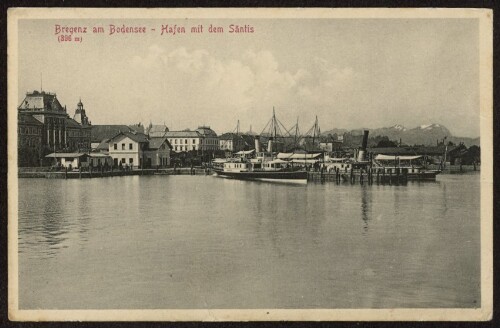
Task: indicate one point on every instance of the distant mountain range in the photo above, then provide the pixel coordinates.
(427, 134)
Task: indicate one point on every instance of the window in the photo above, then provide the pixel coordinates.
(123, 160)
(130, 146)
(123, 146)
(115, 146)
(131, 161)
(186, 141)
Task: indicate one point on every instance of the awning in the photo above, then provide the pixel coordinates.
(305, 161)
(278, 161)
(284, 155)
(297, 156)
(98, 155)
(381, 157)
(245, 152)
(338, 159)
(65, 155)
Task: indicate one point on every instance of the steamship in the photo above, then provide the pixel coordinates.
(384, 167)
(257, 165)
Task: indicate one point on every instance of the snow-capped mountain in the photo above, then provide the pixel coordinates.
(425, 134)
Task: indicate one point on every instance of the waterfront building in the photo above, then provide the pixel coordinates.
(203, 139)
(103, 132)
(157, 153)
(136, 150)
(58, 131)
(232, 142)
(70, 160)
(210, 138)
(29, 140)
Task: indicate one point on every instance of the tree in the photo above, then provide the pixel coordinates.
(386, 143)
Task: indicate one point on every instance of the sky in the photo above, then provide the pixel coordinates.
(351, 73)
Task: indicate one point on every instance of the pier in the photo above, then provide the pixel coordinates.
(115, 173)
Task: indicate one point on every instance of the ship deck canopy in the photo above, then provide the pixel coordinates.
(382, 157)
(278, 161)
(305, 161)
(293, 156)
(338, 159)
(245, 152)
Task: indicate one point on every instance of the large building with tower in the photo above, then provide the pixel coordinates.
(44, 126)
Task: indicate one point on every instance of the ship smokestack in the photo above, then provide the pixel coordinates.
(364, 144)
(270, 145)
(257, 144)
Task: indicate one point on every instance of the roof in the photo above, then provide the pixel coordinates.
(104, 145)
(28, 119)
(71, 123)
(206, 131)
(41, 101)
(102, 132)
(183, 134)
(157, 128)
(228, 136)
(137, 137)
(64, 155)
(155, 142)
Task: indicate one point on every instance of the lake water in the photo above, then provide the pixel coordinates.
(159, 242)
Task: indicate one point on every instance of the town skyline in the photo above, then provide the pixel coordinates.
(352, 74)
(250, 128)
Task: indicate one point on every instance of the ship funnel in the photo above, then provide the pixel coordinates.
(270, 145)
(364, 144)
(257, 144)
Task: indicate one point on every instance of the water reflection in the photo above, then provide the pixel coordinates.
(195, 242)
(365, 208)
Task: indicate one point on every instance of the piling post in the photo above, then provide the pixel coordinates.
(65, 172)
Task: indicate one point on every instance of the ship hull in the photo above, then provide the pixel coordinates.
(426, 175)
(271, 176)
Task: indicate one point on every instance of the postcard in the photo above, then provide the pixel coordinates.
(250, 164)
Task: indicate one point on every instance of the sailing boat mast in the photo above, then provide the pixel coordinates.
(315, 130)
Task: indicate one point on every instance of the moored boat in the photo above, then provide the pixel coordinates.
(262, 170)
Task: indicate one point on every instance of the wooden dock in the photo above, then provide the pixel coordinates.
(114, 173)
